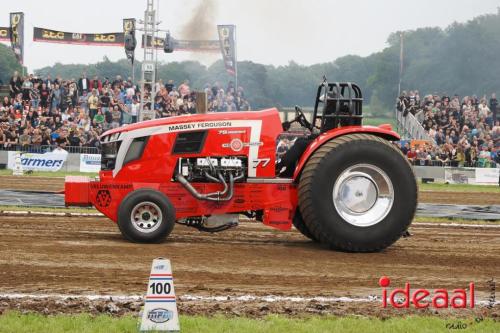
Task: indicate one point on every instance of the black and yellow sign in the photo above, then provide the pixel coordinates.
(63, 37)
(128, 25)
(129, 38)
(228, 46)
(186, 45)
(17, 35)
(5, 34)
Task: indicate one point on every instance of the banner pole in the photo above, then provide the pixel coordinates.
(133, 72)
(401, 57)
(235, 64)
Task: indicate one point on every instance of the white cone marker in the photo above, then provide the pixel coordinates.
(160, 305)
(18, 166)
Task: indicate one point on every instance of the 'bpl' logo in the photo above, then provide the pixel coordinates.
(439, 298)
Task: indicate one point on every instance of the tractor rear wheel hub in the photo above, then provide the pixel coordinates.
(363, 195)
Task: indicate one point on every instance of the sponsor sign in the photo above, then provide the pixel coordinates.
(227, 47)
(424, 298)
(129, 38)
(489, 176)
(185, 45)
(5, 34)
(459, 175)
(38, 162)
(63, 37)
(17, 35)
(90, 162)
(237, 144)
(160, 306)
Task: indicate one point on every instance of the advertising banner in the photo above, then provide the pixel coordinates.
(39, 162)
(63, 37)
(129, 38)
(17, 35)
(490, 176)
(5, 34)
(90, 162)
(458, 175)
(227, 47)
(186, 45)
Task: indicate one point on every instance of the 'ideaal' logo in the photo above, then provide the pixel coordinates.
(440, 298)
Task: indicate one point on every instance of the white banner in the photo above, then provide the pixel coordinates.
(487, 176)
(90, 162)
(459, 175)
(39, 162)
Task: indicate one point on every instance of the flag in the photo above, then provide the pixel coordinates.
(17, 35)
(227, 46)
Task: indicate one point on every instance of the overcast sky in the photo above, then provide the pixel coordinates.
(268, 31)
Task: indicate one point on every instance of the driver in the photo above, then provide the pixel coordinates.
(286, 164)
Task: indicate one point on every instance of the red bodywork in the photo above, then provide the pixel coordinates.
(253, 134)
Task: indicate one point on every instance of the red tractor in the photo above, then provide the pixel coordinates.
(339, 183)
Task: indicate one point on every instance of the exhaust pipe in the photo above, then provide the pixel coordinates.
(214, 196)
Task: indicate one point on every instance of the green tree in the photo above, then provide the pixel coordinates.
(8, 64)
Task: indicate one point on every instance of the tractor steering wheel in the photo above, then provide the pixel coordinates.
(301, 118)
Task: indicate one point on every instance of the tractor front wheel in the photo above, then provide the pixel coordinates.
(146, 216)
(357, 193)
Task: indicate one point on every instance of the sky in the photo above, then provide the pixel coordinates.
(268, 31)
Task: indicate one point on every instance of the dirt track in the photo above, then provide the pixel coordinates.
(89, 256)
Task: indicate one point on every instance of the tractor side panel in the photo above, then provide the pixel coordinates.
(382, 131)
(277, 201)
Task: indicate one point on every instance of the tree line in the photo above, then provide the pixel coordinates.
(462, 58)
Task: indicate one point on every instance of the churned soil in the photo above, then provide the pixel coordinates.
(88, 256)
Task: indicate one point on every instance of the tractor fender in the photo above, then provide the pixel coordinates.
(384, 131)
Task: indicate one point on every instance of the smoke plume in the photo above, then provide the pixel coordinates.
(201, 25)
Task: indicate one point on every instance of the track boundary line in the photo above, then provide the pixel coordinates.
(222, 298)
(456, 225)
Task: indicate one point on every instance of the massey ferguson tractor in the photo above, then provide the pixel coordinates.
(339, 183)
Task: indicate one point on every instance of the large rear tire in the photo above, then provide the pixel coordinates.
(146, 216)
(298, 223)
(357, 193)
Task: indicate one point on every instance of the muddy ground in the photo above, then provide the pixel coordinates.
(63, 255)
(88, 256)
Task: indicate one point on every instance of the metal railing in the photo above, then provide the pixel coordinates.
(411, 128)
(476, 164)
(40, 149)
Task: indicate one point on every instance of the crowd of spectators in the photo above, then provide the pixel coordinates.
(40, 113)
(466, 130)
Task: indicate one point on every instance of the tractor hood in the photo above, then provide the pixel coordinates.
(196, 118)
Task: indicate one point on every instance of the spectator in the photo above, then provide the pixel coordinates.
(26, 89)
(55, 97)
(493, 107)
(44, 112)
(93, 103)
(460, 127)
(83, 84)
(412, 154)
(15, 85)
(184, 88)
(134, 110)
(96, 84)
(25, 139)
